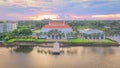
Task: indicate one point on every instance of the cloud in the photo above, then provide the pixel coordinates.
(76, 17)
(36, 3)
(63, 8)
(107, 16)
(97, 17)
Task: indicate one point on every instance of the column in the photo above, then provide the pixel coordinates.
(100, 37)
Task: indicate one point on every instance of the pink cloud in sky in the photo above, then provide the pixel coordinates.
(55, 16)
(76, 17)
(60, 9)
(109, 16)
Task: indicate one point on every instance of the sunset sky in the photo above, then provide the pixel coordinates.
(60, 9)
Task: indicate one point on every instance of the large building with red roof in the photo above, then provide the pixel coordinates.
(55, 30)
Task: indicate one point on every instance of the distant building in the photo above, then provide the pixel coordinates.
(92, 34)
(106, 27)
(55, 30)
(7, 26)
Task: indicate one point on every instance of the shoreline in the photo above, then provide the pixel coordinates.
(62, 44)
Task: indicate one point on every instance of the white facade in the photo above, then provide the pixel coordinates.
(90, 31)
(64, 30)
(55, 30)
(7, 27)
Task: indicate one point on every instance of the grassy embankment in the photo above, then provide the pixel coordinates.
(25, 40)
(70, 41)
(92, 42)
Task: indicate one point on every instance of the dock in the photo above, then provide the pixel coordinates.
(56, 48)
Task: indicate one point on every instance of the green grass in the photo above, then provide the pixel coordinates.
(11, 41)
(25, 40)
(70, 41)
(91, 41)
(77, 40)
(83, 27)
(37, 31)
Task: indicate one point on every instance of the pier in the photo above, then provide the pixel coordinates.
(56, 48)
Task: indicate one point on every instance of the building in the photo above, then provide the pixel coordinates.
(7, 26)
(55, 30)
(92, 34)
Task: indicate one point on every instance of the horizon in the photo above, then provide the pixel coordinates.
(59, 10)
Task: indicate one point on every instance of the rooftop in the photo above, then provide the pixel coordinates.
(56, 25)
(90, 31)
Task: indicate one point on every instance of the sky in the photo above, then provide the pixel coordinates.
(60, 9)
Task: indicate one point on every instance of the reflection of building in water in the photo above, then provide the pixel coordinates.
(62, 51)
(101, 50)
(66, 50)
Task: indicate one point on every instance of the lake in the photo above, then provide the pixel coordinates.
(70, 57)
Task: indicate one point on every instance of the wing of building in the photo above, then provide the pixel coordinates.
(7, 26)
(92, 34)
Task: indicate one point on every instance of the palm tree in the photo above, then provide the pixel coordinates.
(100, 36)
(84, 36)
(38, 35)
(94, 36)
(88, 36)
(68, 35)
(97, 36)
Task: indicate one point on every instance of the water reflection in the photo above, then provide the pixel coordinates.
(23, 49)
(70, 57)
(43, 50)
(66, 50)
(102, 50)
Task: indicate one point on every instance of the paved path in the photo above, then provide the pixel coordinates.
(116, 38)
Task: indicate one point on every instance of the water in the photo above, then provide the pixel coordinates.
(70, 57)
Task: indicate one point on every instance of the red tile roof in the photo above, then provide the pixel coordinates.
(57, 25)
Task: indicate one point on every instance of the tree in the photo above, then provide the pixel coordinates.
(22, 32)
(6, 36)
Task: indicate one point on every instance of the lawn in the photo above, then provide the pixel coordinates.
(70, 41)
(91, 41)
(25, 40)
(37, 31)
(83, 27)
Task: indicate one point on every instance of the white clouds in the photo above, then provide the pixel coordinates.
(17, 16)
(107, 16)
(21, 3)
(59, 6)
(44, 3)
(80, 0)
(36, 3)
(51, 4)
